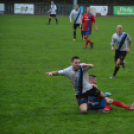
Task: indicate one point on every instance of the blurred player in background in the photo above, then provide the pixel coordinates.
(52, 12)
(120, 39)
(104, 105)
(87, 20)
(77, 16)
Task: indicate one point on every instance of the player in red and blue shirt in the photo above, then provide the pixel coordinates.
(88, 20)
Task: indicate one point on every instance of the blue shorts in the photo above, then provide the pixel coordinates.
(86, 32)
(101, 105)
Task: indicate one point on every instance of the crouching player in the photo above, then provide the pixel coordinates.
(104, 105)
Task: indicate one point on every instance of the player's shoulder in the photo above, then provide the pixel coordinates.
(115, 35)
(73, 10)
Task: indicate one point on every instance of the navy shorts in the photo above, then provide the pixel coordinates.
(86, 32)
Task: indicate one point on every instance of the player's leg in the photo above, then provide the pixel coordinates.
(56, 19)
(89, 41)
(86, 39)
(118, 104)
(83, 108)
(49, 20)
(74, 27)
(82, 102)
(117, 63)
(81, 32)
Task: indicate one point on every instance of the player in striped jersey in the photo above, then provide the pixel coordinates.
(78, 75)
(52, 12)
(120, 39)
(87, 20)
(77, 16)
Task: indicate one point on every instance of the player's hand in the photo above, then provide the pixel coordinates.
(70, 22)
(83, 65)
(49, 73)
(128, 50)
(112, 48)
(96, 29)
(93, 85)
(80, 26)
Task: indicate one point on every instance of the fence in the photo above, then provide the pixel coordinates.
(41, 9)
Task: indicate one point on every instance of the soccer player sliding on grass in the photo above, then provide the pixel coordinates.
(78, 75)
(87, 20)
(104, 105)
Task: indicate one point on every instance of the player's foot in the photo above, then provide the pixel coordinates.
(74, 39)
(123, 65)
(48, 23)
(91, 45)
(105, 111)
(84, 48)
(56, 23)
(112, 77)
(108, 94)
(83, 39)
(132, 107)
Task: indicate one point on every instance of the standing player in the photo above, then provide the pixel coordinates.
(120, 39)
(78, 75)
(87, 20)
(77, 15)
(52, 12)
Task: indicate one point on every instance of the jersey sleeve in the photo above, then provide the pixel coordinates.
(71, 14)
(128, 38)
(112, 42)
(86, 68)
(63, 72)
(93, 18)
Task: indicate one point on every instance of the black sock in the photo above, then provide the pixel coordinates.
(116, 70)
(74, 34)
(49, 20)
(56, 20)
(82, 34)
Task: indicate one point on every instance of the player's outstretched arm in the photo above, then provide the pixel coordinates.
(54, 73)
(87, 65)
(96, 28)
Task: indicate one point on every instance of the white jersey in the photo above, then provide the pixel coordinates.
(53, 9)
(77, 15)
(79, 78)
(120, 41)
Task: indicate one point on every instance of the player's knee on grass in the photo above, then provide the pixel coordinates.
(83, 108)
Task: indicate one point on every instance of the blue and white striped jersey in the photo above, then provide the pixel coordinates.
(120, 41)
(79, 78)
(53, 9)
(77, 15)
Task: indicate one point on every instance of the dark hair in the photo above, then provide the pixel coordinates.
(73, 58)
(77, 5)
(92, 77)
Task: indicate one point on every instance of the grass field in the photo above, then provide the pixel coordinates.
(32, 103)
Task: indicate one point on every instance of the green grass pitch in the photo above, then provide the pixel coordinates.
(32, 103)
